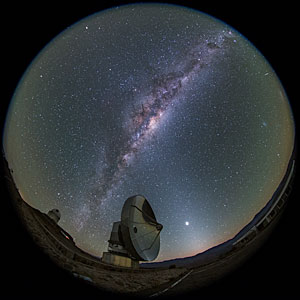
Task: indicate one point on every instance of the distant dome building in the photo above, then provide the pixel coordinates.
(54, 214)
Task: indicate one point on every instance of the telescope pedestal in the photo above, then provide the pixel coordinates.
(120, 261)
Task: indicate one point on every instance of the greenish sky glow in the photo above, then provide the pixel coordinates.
(157, 100)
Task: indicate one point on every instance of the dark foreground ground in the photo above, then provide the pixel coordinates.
(212, 273)
(29, 273)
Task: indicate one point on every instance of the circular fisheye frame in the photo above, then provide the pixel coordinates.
(168, 108)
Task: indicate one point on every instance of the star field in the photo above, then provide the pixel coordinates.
(156, 100)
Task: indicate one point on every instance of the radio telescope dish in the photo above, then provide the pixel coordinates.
(135, 237)
(139, 228)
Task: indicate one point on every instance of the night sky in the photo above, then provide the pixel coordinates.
(156, 100)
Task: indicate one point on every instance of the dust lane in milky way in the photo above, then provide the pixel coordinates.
(143, 124)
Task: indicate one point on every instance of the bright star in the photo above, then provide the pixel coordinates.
(187, 223)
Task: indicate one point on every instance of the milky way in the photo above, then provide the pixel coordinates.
(157, 100)
(143, 123)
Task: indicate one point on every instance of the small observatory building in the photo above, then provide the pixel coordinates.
(54, 214)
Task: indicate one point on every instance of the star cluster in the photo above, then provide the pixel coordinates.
(156, 100)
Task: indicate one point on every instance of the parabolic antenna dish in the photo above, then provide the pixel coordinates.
(140, 230)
